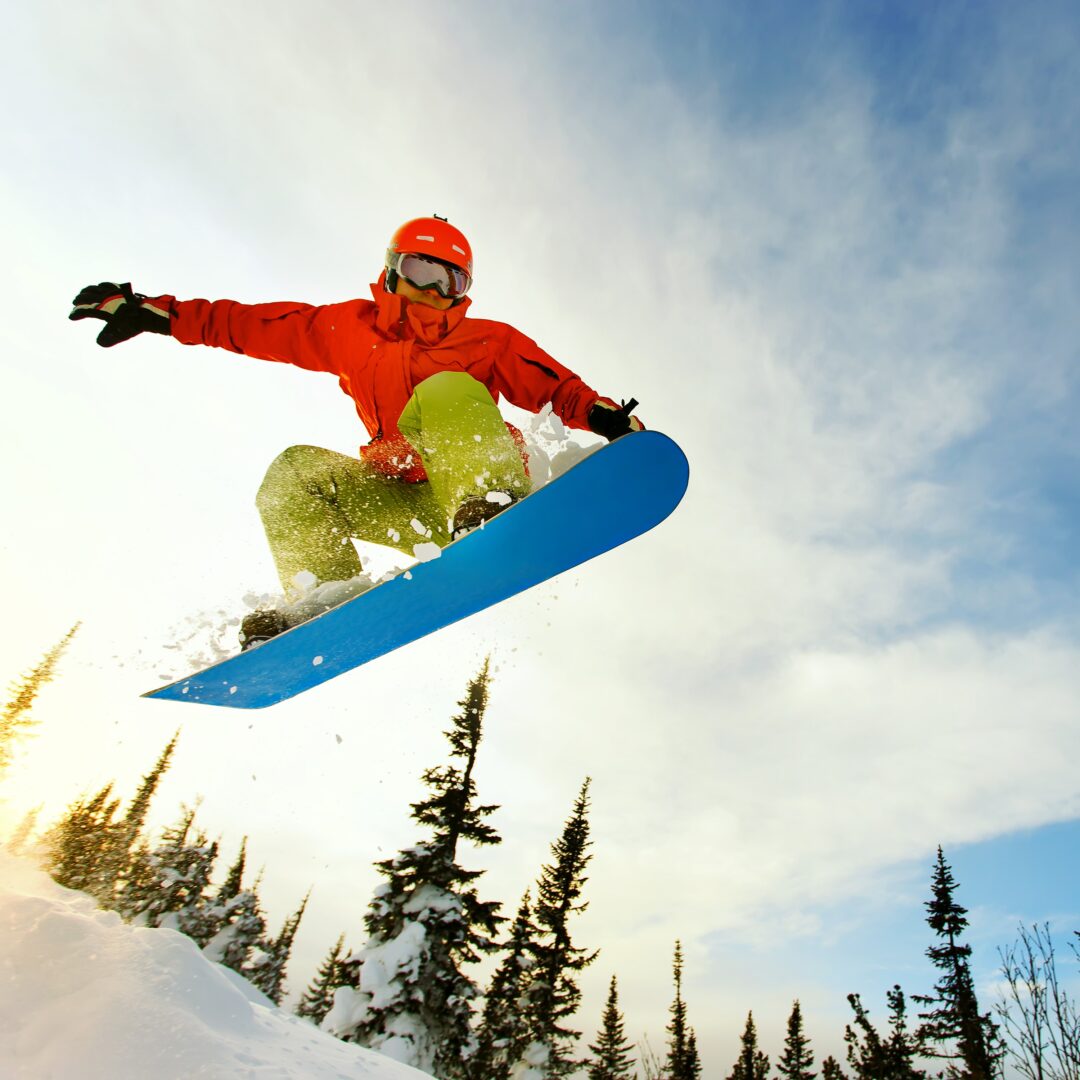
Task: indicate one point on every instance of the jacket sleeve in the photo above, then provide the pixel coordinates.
(302, 334)
(529, 378)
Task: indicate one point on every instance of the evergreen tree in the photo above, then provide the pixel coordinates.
(233, 932)
(954, 1029)
(90, 849)
(233, 884)
(77, 845)
(126, 857)
(680, 1059)
(270, 977)
(168, 885)
(15, 719)
(611, 1060)
(317, 999)
(693, 1061)
(427, 921)
(874, 1058)
(797, 1058)
(552, 994)
(830, 1069)
(752, 1064)
(503, 1032)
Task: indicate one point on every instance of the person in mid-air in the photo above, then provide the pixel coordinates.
(426, 382)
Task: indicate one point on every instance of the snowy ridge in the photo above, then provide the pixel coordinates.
(83, 996)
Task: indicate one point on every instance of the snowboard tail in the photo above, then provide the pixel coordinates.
(616, 493)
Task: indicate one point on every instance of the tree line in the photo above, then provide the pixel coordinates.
(408, 989)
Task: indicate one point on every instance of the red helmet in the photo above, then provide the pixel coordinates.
(432, 236)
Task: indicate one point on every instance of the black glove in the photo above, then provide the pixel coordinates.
(607, 419)
(125, 313)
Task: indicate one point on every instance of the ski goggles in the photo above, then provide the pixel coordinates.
(423, 272)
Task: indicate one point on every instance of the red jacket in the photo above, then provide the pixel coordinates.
(381, 350)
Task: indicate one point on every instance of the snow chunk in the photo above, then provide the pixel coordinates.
(430, 898)
(305, 581)
(427, 551)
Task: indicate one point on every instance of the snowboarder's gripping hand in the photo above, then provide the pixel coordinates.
(125, 313)
(608, 419)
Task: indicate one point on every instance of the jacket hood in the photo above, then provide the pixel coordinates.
(399, 319)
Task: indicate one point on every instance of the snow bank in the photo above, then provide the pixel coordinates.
(84, 996)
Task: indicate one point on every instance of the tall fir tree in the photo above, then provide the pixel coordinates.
(169, 883)
(797, 1059)
(270, 976)
(693, 1061)
(15, 718)
(126, 857)
(77, 846)
(233, 932)
(317, 999)
(873, 1058)
(503, 1031)
(552, 994)
(752, 1064)
(414, 999)
(611, 1051)
(91, 849)
(830, 1070)
(681, 1061)
(953, 1028)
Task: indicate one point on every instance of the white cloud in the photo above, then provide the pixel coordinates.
(769, 688)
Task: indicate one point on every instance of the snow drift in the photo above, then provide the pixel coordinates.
(85, 996)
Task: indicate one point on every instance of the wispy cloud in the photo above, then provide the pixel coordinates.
(836, 263)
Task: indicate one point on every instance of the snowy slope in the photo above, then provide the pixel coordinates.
(84, 996)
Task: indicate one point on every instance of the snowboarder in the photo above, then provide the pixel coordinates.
(426, 382)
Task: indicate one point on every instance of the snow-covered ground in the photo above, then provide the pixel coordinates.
(85, 996)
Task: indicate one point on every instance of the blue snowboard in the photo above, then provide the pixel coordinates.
(615, 494)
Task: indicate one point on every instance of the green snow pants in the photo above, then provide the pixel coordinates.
(313, 501)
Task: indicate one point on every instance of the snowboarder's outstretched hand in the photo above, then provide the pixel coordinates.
(125, 313)
(608, 419)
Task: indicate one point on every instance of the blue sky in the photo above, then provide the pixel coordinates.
(839, 251)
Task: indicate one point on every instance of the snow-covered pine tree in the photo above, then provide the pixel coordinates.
(413, 1001)
(797, 1059)
(552, 994)
(874, 1058)
(270, 976)
(76, 846)
(234, 932)
(611, 1051)
(680, 1063)
(130, 829)
(168, 885)
(503, 1032)
(15, 718)
(752, 1064)
(126, 856)
(316, 1000)
(955, 1029)
(830, 1069)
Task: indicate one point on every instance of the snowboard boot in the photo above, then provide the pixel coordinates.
(477, 509)
(261, 626)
